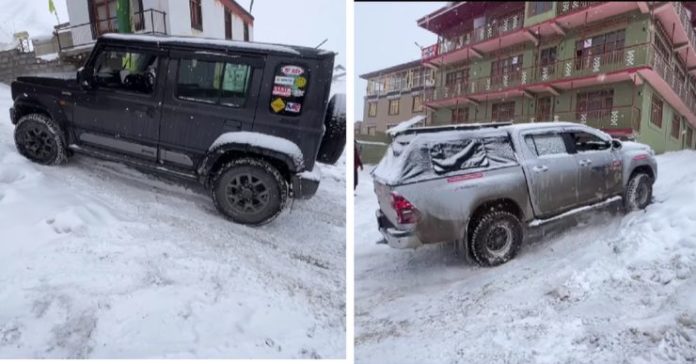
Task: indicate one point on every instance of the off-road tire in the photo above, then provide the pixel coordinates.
(40, 139)
(334, 139)
(275, 185)
(495, 222)
(638, 192)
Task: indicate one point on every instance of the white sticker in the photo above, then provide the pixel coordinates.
(514, 60)
(288, 81)
(588, 43)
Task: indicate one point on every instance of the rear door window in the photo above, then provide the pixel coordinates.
(290, 85)
(213, 82)
(458, 155)
(546, 144)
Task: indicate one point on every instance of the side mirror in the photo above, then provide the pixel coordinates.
(616, 144)
(84, 79)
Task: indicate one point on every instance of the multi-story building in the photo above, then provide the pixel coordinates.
(223, 19)
(623, 67)
(394, 95)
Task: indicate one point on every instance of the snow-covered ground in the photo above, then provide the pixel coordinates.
(614, 289)
(99, 260)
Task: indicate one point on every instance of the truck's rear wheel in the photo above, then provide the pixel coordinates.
(250, 191)
(40, 140)
(638, 192)
(496, 238)
(334, 139)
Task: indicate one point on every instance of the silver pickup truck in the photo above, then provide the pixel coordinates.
(482, 185)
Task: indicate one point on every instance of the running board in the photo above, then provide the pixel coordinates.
(537, 222)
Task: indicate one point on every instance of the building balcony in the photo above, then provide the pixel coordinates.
(76, 38)
(493, 37)
(677, 23)
(637, 63)
(619, 121)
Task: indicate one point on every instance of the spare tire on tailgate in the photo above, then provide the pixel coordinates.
(334, 140)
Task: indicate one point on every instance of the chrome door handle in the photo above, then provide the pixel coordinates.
(585, 162)
(540, 168)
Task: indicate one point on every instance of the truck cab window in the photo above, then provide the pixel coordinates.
(546, 144)
(126, 71)
(585, 142)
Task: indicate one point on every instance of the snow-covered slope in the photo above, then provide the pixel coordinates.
(615, 289)
(31, 16)
(99, 260)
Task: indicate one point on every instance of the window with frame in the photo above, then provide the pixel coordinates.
(594, 105)
(539, 7)
(372, 109)
(246, 32)
(608, 47)
(547, 61)
(689, 137)
(228, 24)
(543, 109)
(503, 111)
(417, 103)
(394, 107)
(506, 71)
(676, 126)
(196, 14)
(586, 142)
(656, 111)
(460, 115)
(546, 144)
(126, 71)
(213, 82)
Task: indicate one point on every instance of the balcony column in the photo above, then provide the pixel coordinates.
(123, 16)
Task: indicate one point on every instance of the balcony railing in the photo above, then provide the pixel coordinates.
(596, 65)
(495, 28)
(71, 37)
(567, 7)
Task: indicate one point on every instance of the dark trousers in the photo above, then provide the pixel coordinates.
(355, 180)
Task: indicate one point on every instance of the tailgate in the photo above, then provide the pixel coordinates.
(384, 199)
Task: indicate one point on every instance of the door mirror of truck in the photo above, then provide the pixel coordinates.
(84, 78)
(616, 144)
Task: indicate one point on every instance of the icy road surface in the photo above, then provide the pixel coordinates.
(615, 289)
(98, 260)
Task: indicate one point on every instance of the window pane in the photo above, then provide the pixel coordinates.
(235, 83)
(586, 142)
(549, 144)
(126, 71)
(199, 80)
(458, 155)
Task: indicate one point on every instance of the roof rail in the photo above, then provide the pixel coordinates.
(438, 128)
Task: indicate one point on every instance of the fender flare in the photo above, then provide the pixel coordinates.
(211, 159)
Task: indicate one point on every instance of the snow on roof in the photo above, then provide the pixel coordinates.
(405, 124)
(280, 145)
(205, 41)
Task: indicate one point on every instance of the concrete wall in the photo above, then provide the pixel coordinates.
(383, 120)
(14, 64)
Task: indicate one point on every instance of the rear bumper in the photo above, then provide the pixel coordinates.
(395, 238)
(304, 188)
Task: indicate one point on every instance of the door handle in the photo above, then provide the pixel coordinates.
(540, 168)
(585, 162)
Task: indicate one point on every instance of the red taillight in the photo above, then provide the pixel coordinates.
(406, 213)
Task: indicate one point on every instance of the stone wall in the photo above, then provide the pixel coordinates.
(14, 63)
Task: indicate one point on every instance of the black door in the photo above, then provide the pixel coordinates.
(121, 113)
(206, 96)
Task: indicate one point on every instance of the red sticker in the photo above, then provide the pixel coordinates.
(282, 91)
(292, 70)
(640, 157)
(465, 177)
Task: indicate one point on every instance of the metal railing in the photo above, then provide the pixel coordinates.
(150, 21)
(567, 7)
(594, 65)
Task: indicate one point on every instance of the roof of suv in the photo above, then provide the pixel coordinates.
(220, 44)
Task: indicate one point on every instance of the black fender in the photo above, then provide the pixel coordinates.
(220, 155)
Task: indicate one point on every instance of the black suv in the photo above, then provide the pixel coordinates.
(248, 120)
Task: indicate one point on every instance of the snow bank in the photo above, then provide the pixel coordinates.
(598, 288)
(98, 260)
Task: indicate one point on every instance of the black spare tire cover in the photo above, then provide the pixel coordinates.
(334, 140)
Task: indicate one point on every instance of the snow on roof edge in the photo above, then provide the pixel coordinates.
(405, 124)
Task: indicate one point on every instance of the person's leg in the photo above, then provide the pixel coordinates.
(355, 179)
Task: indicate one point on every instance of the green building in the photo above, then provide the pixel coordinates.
(624, 67)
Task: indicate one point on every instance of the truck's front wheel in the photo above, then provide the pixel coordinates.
(496, 239)
(40, 140)
(638, 192)
(249, 191)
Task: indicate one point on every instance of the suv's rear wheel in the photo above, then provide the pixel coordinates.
(334, 139)
(40, 140)
(250, 191)
(638, 192)
(496, 238)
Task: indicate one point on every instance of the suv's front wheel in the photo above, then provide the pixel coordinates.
(40, 140)
(249, 191)
(496, 238)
